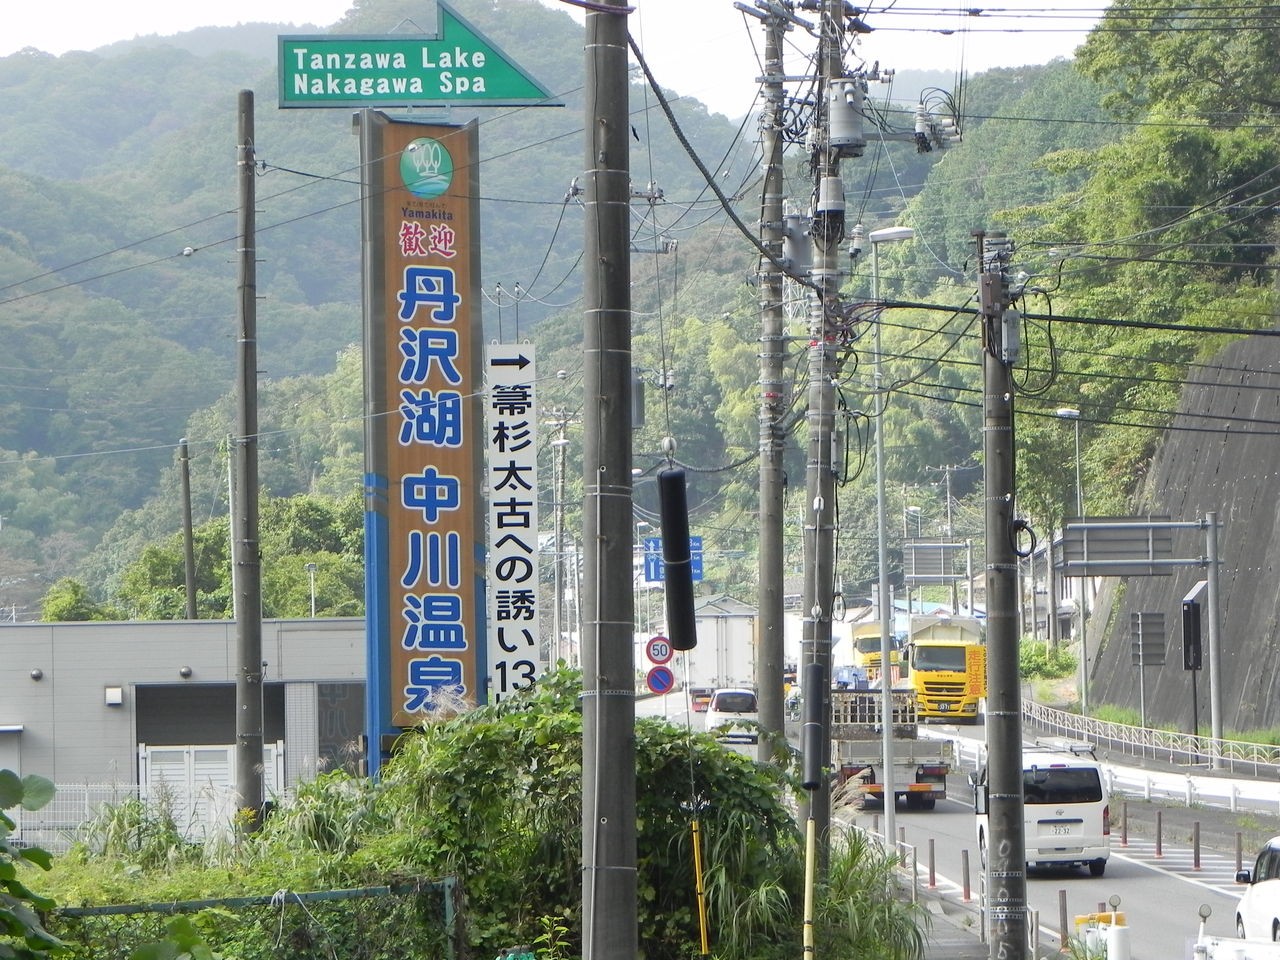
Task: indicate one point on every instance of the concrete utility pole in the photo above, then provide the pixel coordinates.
(1006, 845)
(884, 602)
(558, 651)
(609, 926)
(1215, 637)
(247, 560)
(770, 652)
(827, 230)
(188, 535)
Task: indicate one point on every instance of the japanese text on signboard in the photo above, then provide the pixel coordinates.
(514, 644)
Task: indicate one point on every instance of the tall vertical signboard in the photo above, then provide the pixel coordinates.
(424, 432)
(511, 438)
(425, 529)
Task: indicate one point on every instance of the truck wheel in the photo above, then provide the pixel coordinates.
(913, 801)
(1097, 867)
(929, 802)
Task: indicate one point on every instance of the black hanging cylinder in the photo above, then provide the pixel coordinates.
(676, 559)
(814, 763)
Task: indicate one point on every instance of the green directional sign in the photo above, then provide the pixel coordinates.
(459, 65)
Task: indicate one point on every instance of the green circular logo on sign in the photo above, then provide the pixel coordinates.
(426, 168)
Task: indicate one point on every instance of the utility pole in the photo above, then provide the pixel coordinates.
(609, 925)
(827, 230)
(247, 561)
(188, 536)
(772, 390)
(557, 617)
(1006, 846)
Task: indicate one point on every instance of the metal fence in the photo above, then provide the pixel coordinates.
(1184, 749)
(56, 826)
(397, 922)
(200, 813)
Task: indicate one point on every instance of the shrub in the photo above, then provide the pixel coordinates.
(1038, 661)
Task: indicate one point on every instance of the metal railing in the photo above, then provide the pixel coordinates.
(201, 814)
(57, 825)
(1183, 749)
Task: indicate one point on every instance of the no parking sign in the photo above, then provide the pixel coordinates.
(661, 679)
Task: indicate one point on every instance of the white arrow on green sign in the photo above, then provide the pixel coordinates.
(459, 65)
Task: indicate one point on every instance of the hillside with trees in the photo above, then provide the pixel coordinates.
(1137, 183)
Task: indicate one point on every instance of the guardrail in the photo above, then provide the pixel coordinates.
(1184, 749)
(1189, 785)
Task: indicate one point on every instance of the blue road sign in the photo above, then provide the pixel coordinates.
(654, 567)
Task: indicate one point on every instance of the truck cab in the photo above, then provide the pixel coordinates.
(946, 666)
(866, 650)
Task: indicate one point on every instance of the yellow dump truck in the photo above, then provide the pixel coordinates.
(866, 650)
(945, 664)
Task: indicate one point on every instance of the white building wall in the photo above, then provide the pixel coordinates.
(54, 679)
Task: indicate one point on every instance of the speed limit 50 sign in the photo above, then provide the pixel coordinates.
(659, 650)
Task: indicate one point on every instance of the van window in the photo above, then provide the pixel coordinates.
(737, 701)
(1061, 785)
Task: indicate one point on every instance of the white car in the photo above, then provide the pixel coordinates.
(1067, 816)
(733, 715)
(1258, 914)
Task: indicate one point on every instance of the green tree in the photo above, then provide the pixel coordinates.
(293, 532)
(69, 600)
(1215, 63)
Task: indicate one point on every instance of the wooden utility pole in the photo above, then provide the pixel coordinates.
(246, 559)
(609, 925)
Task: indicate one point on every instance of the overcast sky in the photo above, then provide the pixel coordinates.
(702, 48)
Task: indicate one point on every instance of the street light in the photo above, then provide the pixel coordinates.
(877, 237)
(1072, 414)
(908, 514)
(311, 575)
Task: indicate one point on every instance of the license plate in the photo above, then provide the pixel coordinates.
(944, 707)
(1057, 829)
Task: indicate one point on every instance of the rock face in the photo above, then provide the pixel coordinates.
(1223, 456)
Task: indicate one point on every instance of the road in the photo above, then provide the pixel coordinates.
(1160, 897)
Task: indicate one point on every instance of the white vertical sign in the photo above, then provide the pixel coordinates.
(515, 647)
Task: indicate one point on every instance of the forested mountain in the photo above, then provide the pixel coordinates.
(1137, 184)
(117, 161)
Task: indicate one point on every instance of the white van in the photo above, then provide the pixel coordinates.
(1066, 814)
